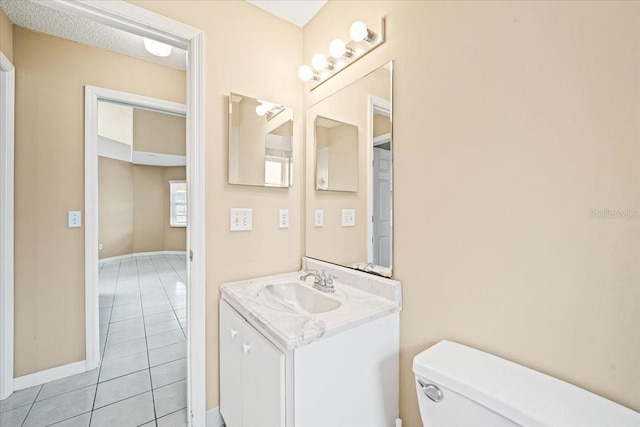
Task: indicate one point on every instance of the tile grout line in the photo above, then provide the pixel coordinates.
(34, 402)
(165, 291)
(144, 326)
(106, 340)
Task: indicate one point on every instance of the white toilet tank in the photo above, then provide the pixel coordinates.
(460, 386)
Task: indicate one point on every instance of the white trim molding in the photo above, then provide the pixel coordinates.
(131, 18)
(52, 374)
(7, 112)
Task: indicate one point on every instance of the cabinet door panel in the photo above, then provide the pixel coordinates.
(263, 385)
(230, 366)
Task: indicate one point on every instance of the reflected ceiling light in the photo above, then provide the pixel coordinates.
(338, 49)
(359, 32)
(269, 109)
(156, 48)
(306, 73)
(261, 110)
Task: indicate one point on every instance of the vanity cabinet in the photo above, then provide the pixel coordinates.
(348, 379)
(253, 376)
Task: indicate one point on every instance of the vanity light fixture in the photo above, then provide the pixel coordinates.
(339, 49)
(306, 73)
(359, 32)
(342, 54)
(156, 48)
(320, 62)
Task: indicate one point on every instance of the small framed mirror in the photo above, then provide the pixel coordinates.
(260, 142)
(336, 155)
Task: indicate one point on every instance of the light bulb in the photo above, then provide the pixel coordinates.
(305, 73)
(359, 32)
(319, 61)
(157, 48)
(337, 48)
(261, 110)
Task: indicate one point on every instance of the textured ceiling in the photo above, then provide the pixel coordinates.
(298, 12)
(25, 13)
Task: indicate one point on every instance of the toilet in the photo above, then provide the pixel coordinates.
(460, 386)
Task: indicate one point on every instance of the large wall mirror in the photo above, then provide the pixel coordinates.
(260, 142)
(349, 179)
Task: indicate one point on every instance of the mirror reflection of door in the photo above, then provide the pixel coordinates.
(381, 184)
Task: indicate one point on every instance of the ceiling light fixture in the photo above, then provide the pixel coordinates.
(157, 48)
(342, 54)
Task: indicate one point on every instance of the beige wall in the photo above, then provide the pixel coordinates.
(155, 132)
(49, 175)
(115, 207)
(263, 67)
(6, 36)
(134, 208)
(147, 221)
(512, 120)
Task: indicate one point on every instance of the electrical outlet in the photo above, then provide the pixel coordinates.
(99, 246)
(283, 218)
(75, 219)
(348, 217)
(318, 218)
(240, 219)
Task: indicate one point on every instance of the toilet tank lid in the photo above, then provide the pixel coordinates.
(520, 394)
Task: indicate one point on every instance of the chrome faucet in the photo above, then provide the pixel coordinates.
(322, 282)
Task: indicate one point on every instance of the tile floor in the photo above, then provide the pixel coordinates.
(142, 379)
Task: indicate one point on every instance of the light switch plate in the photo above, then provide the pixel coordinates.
(240, 219)
(283, 218)
(348, 217)
(318, 218)
(75, 219)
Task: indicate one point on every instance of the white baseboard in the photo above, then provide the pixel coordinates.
(127, 256)
(47, 375)
(214, 419)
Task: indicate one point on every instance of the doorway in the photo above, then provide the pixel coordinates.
(142, 22)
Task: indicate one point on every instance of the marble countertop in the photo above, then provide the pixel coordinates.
(289, 327)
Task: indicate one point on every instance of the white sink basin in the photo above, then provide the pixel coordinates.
(298, 297)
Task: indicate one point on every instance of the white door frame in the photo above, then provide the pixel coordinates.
(7, 106)
(376, 105)
(128, 17)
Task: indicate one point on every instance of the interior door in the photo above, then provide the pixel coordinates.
(381, 207)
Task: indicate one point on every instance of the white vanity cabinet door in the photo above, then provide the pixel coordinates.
(231, 366)
(263, 386)
(252, 375)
